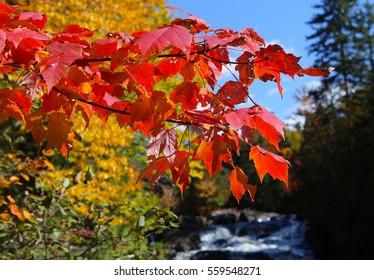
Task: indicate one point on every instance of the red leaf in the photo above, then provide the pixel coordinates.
(239, 184)
(156, 41)
(142, 74)
(37, 19)
(103, 48)
(271, 61)
(187, 94)
(267, 162)
(164, 142)
(321, 72)
(59, 133)
(253, 41)
(238, 118)
(7, 9)
(2, 40)
(56, 65)
(233, 92)
(75, 29)
(155, 170)
(245, 69)
(168, 67)
(24, 54)
(17, 35)
(267, 124)
(14, 103)
(213, 154)
(149, 112)
(180, 169)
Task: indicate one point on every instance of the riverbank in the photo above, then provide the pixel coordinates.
(240, 234)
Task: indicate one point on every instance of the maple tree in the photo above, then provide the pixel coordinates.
(118, 75)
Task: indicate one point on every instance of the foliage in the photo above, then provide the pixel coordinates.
(48, 213)
(334, 165)
(116, 76)
(111, 15)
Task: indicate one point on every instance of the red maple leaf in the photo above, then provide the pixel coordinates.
(267, 124)
(59, 133)
(56, 65)
(239, 184)
(213, 154)
(267, 162)
(156, 41)
(14, 103)
(164, 142)
(272, 61)
(233, 93)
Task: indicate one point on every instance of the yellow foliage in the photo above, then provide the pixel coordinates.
(100, 172)
(102, 15)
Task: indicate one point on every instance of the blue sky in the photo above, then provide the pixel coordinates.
(282, 22)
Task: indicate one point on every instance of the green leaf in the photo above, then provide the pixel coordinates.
(141, 221)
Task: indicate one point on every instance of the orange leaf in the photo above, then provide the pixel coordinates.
(180, 169)
(213, 153)
(155, 170)
(271, 61)
(239, 184)
(267, 124)
(59, 132)
(267, 162)
(14, 103)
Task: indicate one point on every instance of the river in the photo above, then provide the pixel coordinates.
(266, 236)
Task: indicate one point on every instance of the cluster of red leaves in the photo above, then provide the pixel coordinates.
(116, 76)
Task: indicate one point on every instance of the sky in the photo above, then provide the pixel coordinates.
(282, 22)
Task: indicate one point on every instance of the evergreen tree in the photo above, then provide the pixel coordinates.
(335, 27)
(336, 171)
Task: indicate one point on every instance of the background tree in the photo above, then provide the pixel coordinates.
(335, 169)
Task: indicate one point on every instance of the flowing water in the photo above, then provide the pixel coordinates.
(267, 237)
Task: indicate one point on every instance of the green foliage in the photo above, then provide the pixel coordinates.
(58, 231)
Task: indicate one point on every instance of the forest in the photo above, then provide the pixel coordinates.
(116, 136)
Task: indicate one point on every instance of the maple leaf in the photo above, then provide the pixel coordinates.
(238, 118)
(150, 112)
(267, 124)
(233, 93)
(155, 170)
(14, 103)
(253, 41)
(156, 41)
(24, 54)
(239, 184)
(271, 61)
(164, 142)
(188, 94)
(17, 35)
(59, 133)
(319, 72)
(180, 169)
(245, 69)
(2, 40)
(56, 65)
(142, 74)
(213, 154)
(36, 127)
(168, 67)
(267, 162)
(7, 9)
(37, 19)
